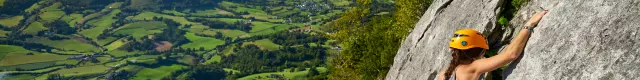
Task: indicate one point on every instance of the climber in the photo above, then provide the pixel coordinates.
(468, 47)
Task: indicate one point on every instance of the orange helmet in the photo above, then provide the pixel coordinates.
(468, 38)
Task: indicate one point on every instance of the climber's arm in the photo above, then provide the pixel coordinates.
(512, 51)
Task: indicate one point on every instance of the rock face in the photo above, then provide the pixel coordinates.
(577, 39)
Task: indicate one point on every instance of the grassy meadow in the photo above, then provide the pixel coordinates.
(92, 39)
(199, 41)
(156, 73)
(12, 21)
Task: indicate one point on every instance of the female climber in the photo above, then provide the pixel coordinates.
(468, 47)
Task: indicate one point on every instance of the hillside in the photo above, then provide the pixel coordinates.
(166, 39)
(579, 40)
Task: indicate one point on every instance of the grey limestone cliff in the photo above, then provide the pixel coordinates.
(577, 39)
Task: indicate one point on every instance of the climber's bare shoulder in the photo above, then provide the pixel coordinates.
(440, 75)
(462, 71)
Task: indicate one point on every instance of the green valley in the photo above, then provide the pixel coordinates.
(167, 39)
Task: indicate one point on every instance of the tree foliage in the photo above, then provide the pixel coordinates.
(250, 59)
(15, 7)
(209, 72)
(55, 76)
(371, 41)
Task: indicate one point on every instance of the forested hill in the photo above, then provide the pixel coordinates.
(168, 39)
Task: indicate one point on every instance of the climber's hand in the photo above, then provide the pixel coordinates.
(535, 19)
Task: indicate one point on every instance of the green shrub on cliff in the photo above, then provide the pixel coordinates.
(371, 41)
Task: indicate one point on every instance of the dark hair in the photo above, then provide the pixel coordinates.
(462, 57)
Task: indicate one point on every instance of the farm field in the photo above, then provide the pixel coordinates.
(156, 73)
(23, 58)
(64, 44)
(215, 58)
(72, 19)
(105, 41)
(140, 29)
(100, 24)
(20, 77)
(51, 16)
(115, 44)
(17, 57)
(265, 44)
(34, 27)
(150, 15)
(12, 21)
(163, 40)
(4, 33)
(212, 12)
(198, 41)
(86, 70)
(6, 49)
(29, 66)
(33, 72)
(172, 12)
(2, 3)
